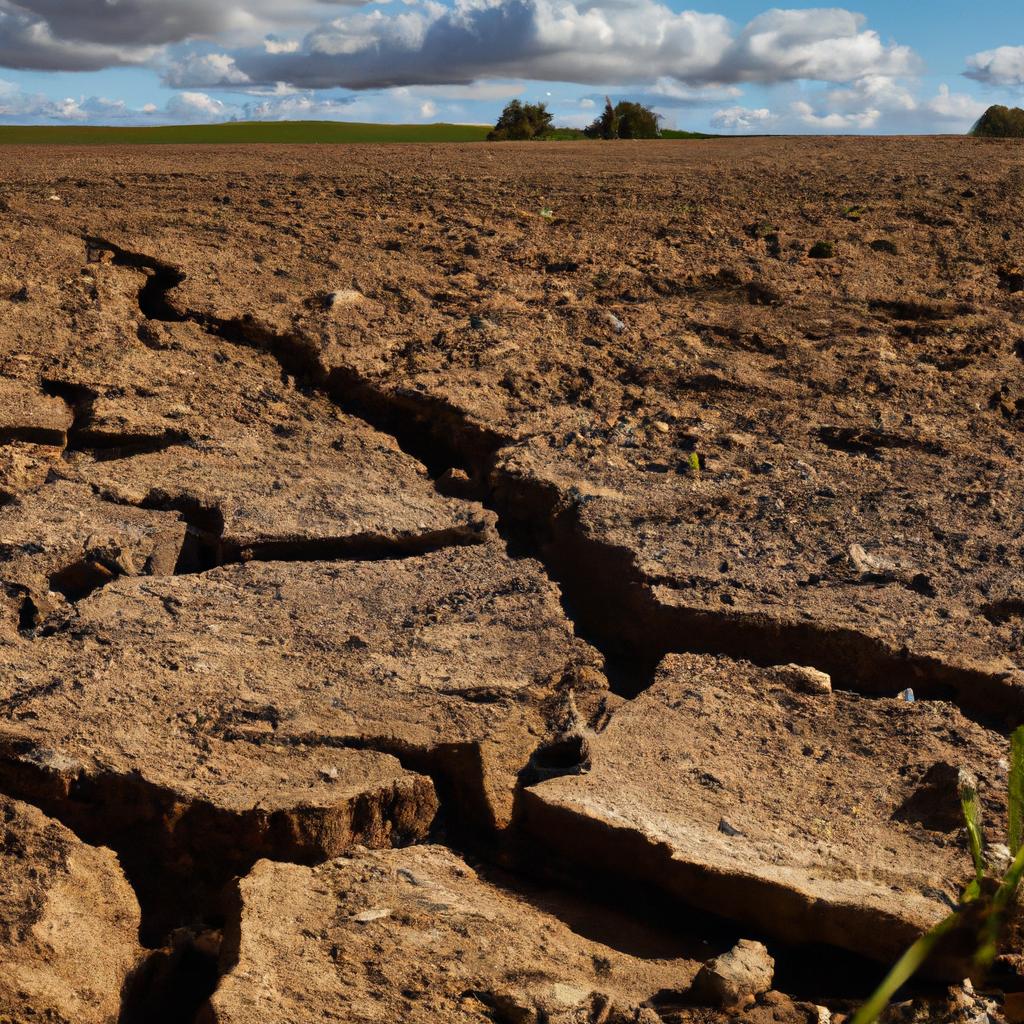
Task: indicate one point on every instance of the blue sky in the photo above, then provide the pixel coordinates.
(727, 66)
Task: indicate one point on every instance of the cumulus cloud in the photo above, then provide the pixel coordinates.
(207, 69)
(197, 106)
(586, 41)
(86, 35)
(743, 119)
(825, 44)
(872, 92)
(561, 40)
(957, 107)
(1003, 66)
(834, 121)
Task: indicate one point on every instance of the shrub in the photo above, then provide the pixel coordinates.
(624, 120)
(822, 251)
(520, 121)
(999, 122)
(636, 121)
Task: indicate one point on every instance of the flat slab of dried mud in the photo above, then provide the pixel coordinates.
(370, 513)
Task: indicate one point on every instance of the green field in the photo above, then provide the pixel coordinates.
(243, 132)
(248, 132)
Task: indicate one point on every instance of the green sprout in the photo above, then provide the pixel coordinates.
(987, 900)
(695, 465)
(547, 213)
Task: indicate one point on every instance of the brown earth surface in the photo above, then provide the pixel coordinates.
(548, 505)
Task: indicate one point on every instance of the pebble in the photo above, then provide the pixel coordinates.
(804, 679)
(345, 297)
(616, 324)
(366, 916)
(736, 977)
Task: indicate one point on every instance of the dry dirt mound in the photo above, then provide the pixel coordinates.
(450, 612)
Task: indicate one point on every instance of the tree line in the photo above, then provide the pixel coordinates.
(623, 120)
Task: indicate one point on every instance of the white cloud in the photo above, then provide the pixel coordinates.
(824, 44)
(955, 106)
(875, 92)
(204, 70)
(606, 42)
(833, 120)
(1003, 66)
(428, 108)
(743, 119)
(82, 35)
(272, 44)
(197, 106)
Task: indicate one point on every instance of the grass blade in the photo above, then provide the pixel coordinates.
(989, 939)
(971, 806)
(903, 970)
(1015, 799)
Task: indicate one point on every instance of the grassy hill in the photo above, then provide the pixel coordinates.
(247, 132)
(243, 132)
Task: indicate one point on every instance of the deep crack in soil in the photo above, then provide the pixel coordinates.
(610, 603)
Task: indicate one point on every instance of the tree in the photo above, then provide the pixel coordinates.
(625, 120)
(636, 121)
(521, 121)
(607, 125)
(999, 122)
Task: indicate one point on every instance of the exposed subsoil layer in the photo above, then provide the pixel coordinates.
(390, 536)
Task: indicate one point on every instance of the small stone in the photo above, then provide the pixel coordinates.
(616, 324)
(342, 298)
(366, 916)
(729, 830)
(329, 773)
(661, 428)
(804, 679)
(737, 977)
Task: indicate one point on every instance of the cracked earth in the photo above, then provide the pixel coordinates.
(414, 607)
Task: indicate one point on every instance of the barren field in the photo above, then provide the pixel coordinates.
(482, 583)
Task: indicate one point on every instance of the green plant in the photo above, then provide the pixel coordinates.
(694, 463)
(999, 122)
(624, 120)
(822, 251)
(520, 121)
(985, 899)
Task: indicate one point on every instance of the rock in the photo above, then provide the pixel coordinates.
(29, 415)
(310, 945)
(804, 679)
(69, 923)
(735, 977)
(684, 755)
(25, 467)
(345, 297)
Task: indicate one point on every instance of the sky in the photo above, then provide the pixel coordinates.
(725, 66)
